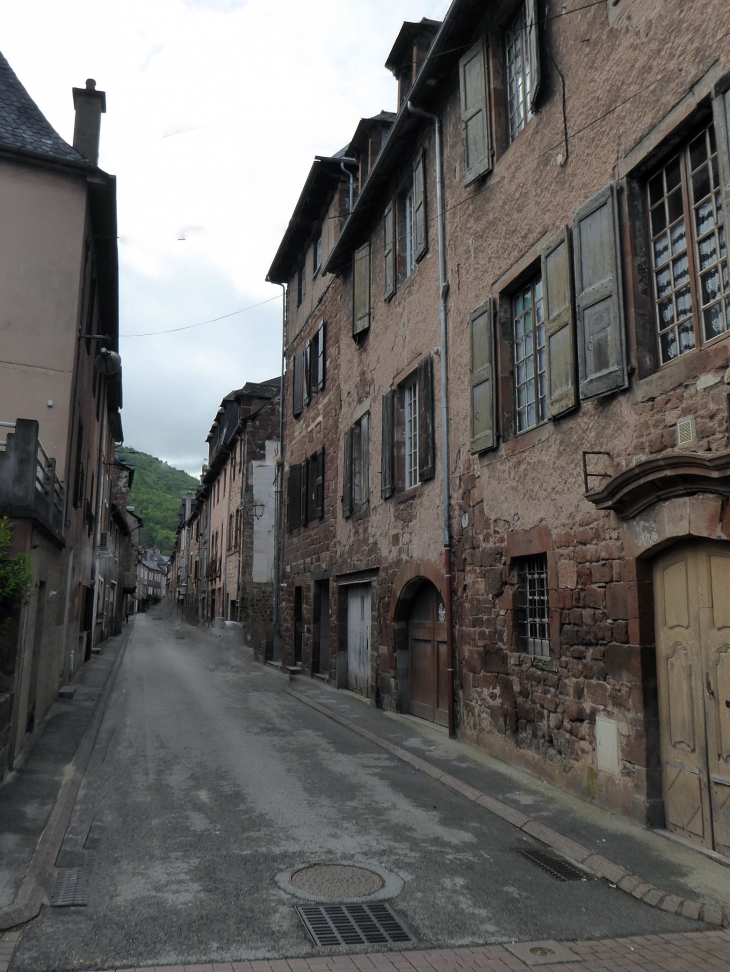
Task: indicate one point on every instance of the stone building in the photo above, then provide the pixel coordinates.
(60, 398)
(523, 520)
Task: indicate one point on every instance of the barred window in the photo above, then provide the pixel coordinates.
(533, 611)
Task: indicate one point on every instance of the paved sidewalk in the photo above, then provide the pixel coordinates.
(690, 952)
(663, 873)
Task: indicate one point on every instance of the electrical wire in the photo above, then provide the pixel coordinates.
(189, 327)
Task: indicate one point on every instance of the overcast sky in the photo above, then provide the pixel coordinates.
(215, 111)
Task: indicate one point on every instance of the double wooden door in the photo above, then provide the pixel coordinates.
(692, 608)
(428, 661)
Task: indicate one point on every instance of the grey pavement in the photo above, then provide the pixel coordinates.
(208, 780)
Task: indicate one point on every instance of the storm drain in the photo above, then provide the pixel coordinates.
(353, 924)
(554, 866)
(71, 888)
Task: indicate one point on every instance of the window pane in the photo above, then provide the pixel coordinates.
(529, 351)
(519, 73)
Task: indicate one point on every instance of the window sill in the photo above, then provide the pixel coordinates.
(408, 494)
(687, 366)
(527, 439)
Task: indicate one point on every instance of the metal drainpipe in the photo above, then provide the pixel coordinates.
(443, 294)
(279, 484)
(97, 523)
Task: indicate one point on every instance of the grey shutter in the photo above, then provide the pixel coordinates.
(557, 289)
(298, 383)
(387, 457)
(294, 498)
(475, 122)
(347, 476)
(420, 231)
(308, 389)
(598, 297)
(319, 484)
(361, 289)
(320, 357)
(365, 457)
(426, 451)
(389, 252)
(483, 379)
(533, 50)
(721, 115)
(304, 494)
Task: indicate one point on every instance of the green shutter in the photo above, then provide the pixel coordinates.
(387, 456)
(298, 383)
(420, 229)
(426, 451)
(533, 49)
(361, 290)
(475, 121)
(721, 115)
(557, 288)
(321, 357)
(347, 476)
(483, 379)
(389, 252)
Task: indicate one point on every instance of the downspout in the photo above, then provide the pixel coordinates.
(443, 295)
(279, 482)
(97, 512)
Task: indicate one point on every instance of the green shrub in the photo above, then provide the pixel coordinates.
(16, 576)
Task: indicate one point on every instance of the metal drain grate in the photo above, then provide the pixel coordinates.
(71, 888)
(353, 924)
(555, 866)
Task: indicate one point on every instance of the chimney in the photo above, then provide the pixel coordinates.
(89, 104)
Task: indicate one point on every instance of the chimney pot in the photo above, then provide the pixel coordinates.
(90, 104)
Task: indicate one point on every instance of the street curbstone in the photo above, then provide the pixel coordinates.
(468, 791)
(654, 897)
(672, 903)
(712, 914)
(605, 868)
(691, 909)
(500, 809)
(629, 882)
(564, 845)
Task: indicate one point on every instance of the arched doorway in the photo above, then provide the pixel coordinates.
(427, 656)
(692, 619)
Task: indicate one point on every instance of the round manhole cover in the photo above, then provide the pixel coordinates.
(337, 881)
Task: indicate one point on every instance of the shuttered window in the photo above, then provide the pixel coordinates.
(389, 252)
(420, 229)
(315, 486)
(294, 498)
(347, 476)
(387, 458)
(599, 304)
(304, 495)
(523, 66)
(483, 384)
(475, 122)
(557, 283)
(410, 425)
(298, 384)
(308, 383)
(320, 357)
(426, 451)
(356, 479)
(529, 351)
(361, 290)
(721, 116)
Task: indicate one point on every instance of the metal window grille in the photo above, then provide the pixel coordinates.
(411, 429)
(410, 235)
(519, 73)
(689, 249)
(529, 344)
(533, 623)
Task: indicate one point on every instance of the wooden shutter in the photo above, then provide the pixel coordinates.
(533, 50)
(721, 115)
(320, 357)
(365, 457)
(598, 297)
(347, 476)
(308, 383)
(298, 383)
(475, 122)
(389, 252)
(361, 290)
(387, 457)
(420, 230)
(319, 484)
(304, 494)
(557, 289)
(426, 451)
(294, 499)
(483, 384)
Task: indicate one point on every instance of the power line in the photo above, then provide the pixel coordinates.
(189, 327)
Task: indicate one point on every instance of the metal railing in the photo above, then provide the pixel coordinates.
(28, 479)
(4, 442)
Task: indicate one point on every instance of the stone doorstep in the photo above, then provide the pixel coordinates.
(708, 912)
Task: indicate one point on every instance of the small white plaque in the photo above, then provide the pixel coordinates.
(607, 745)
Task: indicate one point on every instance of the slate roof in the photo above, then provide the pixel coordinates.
(22, 124)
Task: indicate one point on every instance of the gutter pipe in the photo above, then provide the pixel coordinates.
(443, 295)
(279, 485)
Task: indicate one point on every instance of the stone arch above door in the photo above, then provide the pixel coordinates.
(701, 516)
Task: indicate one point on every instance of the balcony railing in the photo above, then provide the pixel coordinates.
(29, 486)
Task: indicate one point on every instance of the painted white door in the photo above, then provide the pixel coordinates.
(358, 638)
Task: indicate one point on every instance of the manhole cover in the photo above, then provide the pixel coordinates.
(337, 881)
(354, 924)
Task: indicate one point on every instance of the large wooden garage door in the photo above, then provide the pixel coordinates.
(358, 638)
(428, 662)
(692, 604)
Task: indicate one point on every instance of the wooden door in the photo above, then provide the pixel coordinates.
(428, 662)
(692, 608)
(358, 638)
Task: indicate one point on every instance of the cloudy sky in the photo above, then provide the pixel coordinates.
(215, 110)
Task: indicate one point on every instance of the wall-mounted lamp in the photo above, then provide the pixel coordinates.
(254, 510)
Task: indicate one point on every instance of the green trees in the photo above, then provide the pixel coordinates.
(15, 576)
(155, 496)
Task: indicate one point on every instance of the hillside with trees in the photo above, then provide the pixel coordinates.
(155, 495)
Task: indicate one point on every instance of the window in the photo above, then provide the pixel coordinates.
(361, 290)
(475, 122)
(523, 67)
(301, 284)
(408, 455)
(529, 350)
(317, 253)
(409, 239)
(309, 370)
(533, 616)
(305, 491)
(689, 248)
(356, 475)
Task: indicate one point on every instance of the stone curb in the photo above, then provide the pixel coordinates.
(705, 911)
(36, 885)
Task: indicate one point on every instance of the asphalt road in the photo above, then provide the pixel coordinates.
(211, 781)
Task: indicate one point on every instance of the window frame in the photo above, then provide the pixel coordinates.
(526, 100)
(301, 284)
(533, 594)
(409, 391)
(540, 393)
(316, 256)
(356, 473)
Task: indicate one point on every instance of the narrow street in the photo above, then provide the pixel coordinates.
(208, 781)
